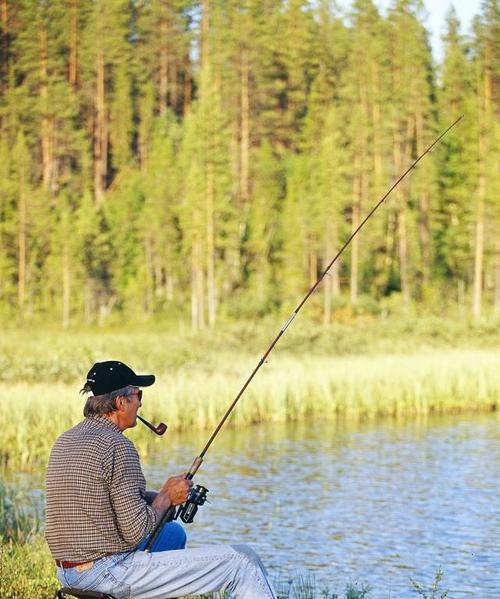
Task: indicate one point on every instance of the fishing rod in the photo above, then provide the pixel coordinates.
(197, 495)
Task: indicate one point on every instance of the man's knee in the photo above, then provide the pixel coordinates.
(247, 552)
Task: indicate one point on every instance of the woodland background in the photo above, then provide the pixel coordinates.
(203, 161)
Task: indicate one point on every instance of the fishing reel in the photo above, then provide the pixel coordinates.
(196, 498)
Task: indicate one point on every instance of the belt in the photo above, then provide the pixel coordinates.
(64, 564)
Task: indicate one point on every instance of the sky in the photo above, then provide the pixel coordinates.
(437, 9)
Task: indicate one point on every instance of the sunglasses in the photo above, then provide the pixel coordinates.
(138, 393)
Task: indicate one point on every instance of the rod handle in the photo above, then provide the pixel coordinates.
(197, 462)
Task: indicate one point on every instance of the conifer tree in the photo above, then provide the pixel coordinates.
(487, 79)
(454, 218)
(412, 115)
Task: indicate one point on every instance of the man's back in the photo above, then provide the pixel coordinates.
(95, 493)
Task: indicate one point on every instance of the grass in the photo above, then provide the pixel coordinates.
(51, 355)
(33, 415)
(17, 524)
(365, 369)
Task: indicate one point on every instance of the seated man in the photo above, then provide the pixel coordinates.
(99, 515)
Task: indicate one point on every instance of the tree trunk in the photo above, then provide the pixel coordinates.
(484, 87)
(496, 297)
(211, 292)
(205, 29)
(377, 142)
(4, 58)
(197, 276)
(66, 286)
(423, 218)
(187, 86)
(245, 127)
(331, 281)
(163, 84)
(148, 253)
(479, 235)
(73, 44)
(356, 212)
(401, 223)
(312, 261)
(100, 131)
(22, 243)
(46, 124)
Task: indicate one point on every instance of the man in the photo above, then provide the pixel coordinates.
(99, 515)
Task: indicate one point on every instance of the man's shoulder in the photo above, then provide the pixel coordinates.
(94, 432)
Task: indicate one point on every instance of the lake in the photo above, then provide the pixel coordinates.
(379, 503)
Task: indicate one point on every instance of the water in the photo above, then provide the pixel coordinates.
(380, 504)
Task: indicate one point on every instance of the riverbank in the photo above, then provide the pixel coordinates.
(288, 388)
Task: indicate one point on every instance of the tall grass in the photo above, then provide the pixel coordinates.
(49, 356)
(19, 520)
(288, 388)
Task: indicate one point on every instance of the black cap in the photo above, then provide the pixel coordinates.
(105, 377)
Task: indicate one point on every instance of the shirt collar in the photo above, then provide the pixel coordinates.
(103, 421)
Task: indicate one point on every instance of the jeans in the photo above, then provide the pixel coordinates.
(172, 571)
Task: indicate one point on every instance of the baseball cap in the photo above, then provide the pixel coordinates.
(105, 377)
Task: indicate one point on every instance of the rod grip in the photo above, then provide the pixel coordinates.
(197, 462)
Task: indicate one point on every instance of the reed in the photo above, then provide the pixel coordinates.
(19, 517)
(50, 356)
(288, 388)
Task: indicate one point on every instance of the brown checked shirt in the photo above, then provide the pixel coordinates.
(95, 502)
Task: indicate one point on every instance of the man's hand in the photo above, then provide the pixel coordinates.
(173, 492)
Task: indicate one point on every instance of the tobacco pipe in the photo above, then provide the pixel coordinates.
(158, 430)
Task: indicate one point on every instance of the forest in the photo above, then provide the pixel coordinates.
(202, 161)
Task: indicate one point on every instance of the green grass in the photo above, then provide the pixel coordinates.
(366, 369)
(288, 388)
(51, 355)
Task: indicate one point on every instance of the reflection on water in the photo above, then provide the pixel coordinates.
(380, 503)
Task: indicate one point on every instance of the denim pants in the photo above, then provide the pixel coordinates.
(169, 570)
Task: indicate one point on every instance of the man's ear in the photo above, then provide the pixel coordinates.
(119, 403)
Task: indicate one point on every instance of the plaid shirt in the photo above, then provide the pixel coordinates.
(95, 502)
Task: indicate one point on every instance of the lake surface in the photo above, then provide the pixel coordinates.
(379, 503)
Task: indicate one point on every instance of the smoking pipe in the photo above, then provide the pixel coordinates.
(158, 430)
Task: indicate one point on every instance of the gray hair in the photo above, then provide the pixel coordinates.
(99, 405)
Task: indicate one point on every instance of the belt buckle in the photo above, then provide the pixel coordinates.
(83, 567)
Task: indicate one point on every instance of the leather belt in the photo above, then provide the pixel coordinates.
(64, 564)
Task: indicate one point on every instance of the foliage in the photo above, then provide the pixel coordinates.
(434, 592)
(27, 570)
(202, 161)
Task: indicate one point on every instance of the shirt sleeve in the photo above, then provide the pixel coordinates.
(127, 492)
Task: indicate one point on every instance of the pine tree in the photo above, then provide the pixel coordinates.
(487, 76)
(412, 126)
(454, 218)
